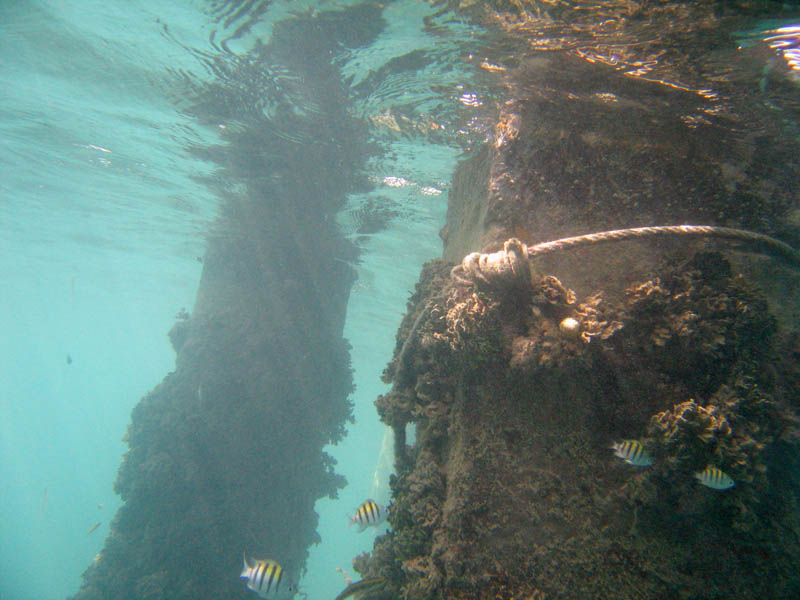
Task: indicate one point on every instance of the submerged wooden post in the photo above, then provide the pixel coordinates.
(517, 389)
(226, 454)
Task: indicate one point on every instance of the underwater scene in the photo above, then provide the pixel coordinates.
(411, 299)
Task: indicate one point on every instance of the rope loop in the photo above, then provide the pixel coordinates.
(498, 268)
(510, 265)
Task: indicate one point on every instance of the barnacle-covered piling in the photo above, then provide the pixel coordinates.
(511, 487)
(518, 380)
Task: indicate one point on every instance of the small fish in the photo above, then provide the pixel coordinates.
(347, 579)
(265, 577)
(714, 478)
(632, 452)
(362, 587)
(69, 359)
(369, 514)
(95, 526)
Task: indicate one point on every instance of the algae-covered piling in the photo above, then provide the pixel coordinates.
(226, 454)
(518, 388)
(511, 488)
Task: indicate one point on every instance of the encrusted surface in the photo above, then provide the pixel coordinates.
(511, 489)
(617, 115)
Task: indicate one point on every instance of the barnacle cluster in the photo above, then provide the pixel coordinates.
(557, 329)
(456, 322)
(700, 321)
(596, 322)
(549, 291)
(731, 430)
(688, 429)
(491, 291)
(501, 379)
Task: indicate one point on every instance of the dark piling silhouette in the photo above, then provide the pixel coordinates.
(226, 454)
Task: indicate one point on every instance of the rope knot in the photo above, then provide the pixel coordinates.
(503, 267)
(510, 265)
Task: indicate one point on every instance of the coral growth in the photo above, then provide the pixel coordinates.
(731, 431)
(511, 491)
(701, 322)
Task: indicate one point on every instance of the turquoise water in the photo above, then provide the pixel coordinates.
(105, 205)
(101, 225)
(116, 161)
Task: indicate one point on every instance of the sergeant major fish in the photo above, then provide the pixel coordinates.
(265, 577)
(369, 514)
(714, 478)
(632, 452)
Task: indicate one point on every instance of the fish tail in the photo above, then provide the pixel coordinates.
(246, 567)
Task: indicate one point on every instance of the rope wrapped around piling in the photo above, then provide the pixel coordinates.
(511, 264)
(512, 261)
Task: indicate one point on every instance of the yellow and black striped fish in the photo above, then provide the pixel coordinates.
(714, 478)
(265, 577)
(358, 589)
(632, 452)
(369, 514)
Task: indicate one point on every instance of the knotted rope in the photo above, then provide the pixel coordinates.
(512, 261)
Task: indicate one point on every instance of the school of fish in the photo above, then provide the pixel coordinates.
(266, 576)
(633, 453)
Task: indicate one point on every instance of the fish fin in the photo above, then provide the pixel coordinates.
(246, 567)
(351, 518)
